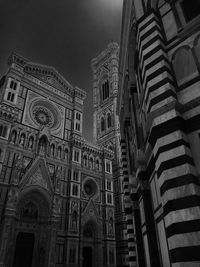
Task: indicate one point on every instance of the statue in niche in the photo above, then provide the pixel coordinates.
(56, 205)
(30, 143)
(13, 136)
(52, 150)
(58, 177)
(22, 139)
(59, 152)
(74, 220)
(12, 197)
(18, 168)
(111, 225)
(66, 155)
(43, 145)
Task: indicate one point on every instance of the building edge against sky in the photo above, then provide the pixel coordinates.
(159, 111)
(56, 189)
(107, 134)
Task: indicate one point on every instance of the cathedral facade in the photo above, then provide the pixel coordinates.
(107, 134)
(158, 106)
(56, 189)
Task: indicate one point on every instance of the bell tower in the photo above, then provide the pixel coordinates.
(106, 132)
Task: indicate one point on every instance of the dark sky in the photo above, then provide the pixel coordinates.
(65, 34)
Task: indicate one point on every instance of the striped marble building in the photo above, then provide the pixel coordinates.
(159, 110)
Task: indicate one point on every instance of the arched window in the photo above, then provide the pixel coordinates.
(105, 90)
(184, 65)
(102, 124)
(4, 132)
(109, 122)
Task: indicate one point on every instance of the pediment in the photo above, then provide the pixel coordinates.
(90, 212)
(48, 75)
(37, 175)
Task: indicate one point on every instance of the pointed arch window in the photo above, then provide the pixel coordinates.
(102, 124)
(105, 90)
(184, 65)
(13, 136)
(109, 120)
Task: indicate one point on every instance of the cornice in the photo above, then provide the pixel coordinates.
(112, 48)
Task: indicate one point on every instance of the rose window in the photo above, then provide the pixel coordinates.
(90, 187)
(42, 116)
(45, 113)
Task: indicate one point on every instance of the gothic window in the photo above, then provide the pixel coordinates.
(109, 185)
(184, 65)
(109, 122)
(77, 126)
(102, 124)
(105, 90)
(108, 167)
(3, 130)
(78, 116)
(76, 176)
(76, 155)
(75, 190)
(13, 85)
(109, 198)
(12, 91)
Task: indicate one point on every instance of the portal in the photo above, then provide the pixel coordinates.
(87, 257)
(24, 250)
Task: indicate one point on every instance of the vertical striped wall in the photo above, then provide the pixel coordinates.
(128, 208)
(174, 165)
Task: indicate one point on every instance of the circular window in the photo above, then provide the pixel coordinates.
(90, 187)
(44, 113)
(42, 116)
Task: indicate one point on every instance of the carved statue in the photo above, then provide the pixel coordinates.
(22, 139)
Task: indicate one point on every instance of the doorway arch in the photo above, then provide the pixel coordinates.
(90, 245)
(31, 235)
